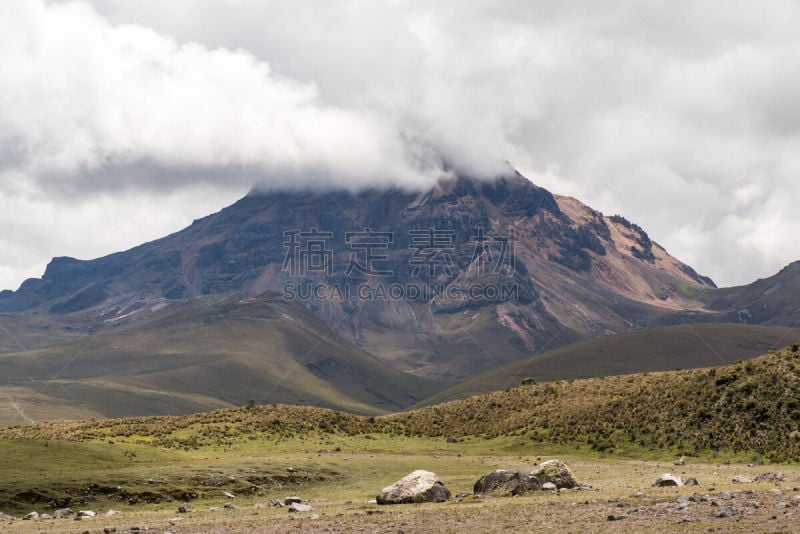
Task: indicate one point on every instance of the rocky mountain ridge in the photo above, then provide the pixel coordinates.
(484, 272)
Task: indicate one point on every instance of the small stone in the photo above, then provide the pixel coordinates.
(109, 530)
(86, 513)
(375, 512)
(184, 508)
(741, 480)
(230, 506)
(228, 495)
(770, 477)
(667, 480)
(452, 439)
(33, 516)
(291, 500)
(691, 481)
(680, 461)
(111, 512)
(298, 507)
(617, 517)
(728, 511)
(549, 486)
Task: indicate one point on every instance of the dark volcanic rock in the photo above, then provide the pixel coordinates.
(502, 482)
(667, 480)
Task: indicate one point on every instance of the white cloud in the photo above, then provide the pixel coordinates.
(681, 115)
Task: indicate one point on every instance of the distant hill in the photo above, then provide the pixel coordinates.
(659, 349)
(750, 407)
(207, 353)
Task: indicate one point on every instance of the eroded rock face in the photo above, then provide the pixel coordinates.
(503, 482)
(416, 487)
(557, 472)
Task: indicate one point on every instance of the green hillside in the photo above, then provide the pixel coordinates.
(750, 408)
(213, 353)
(659, 349)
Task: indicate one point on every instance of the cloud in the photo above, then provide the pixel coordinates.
(681, 115)
(84, 95)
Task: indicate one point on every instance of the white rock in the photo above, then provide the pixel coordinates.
(419, 486)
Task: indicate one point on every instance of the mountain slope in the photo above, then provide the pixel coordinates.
(774, 300)
(547, 271)
(659, 349)
(206, 353)
(749, 406)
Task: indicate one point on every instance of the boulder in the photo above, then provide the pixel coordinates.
(549, 486)
(419, 486)
(452, 439)
(292, 499)
(691, 481)
(86, 513)
(33, 516)
(5, 517)
(228, 495)
(184, 508)
(230, 506)
(63, 512)
(557, 472)
(502, 482)
(668, 479)
(741, 480)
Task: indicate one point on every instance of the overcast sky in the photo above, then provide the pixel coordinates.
(123, 120)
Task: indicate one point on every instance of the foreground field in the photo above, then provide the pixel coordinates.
(617, 434)
(340, 483)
